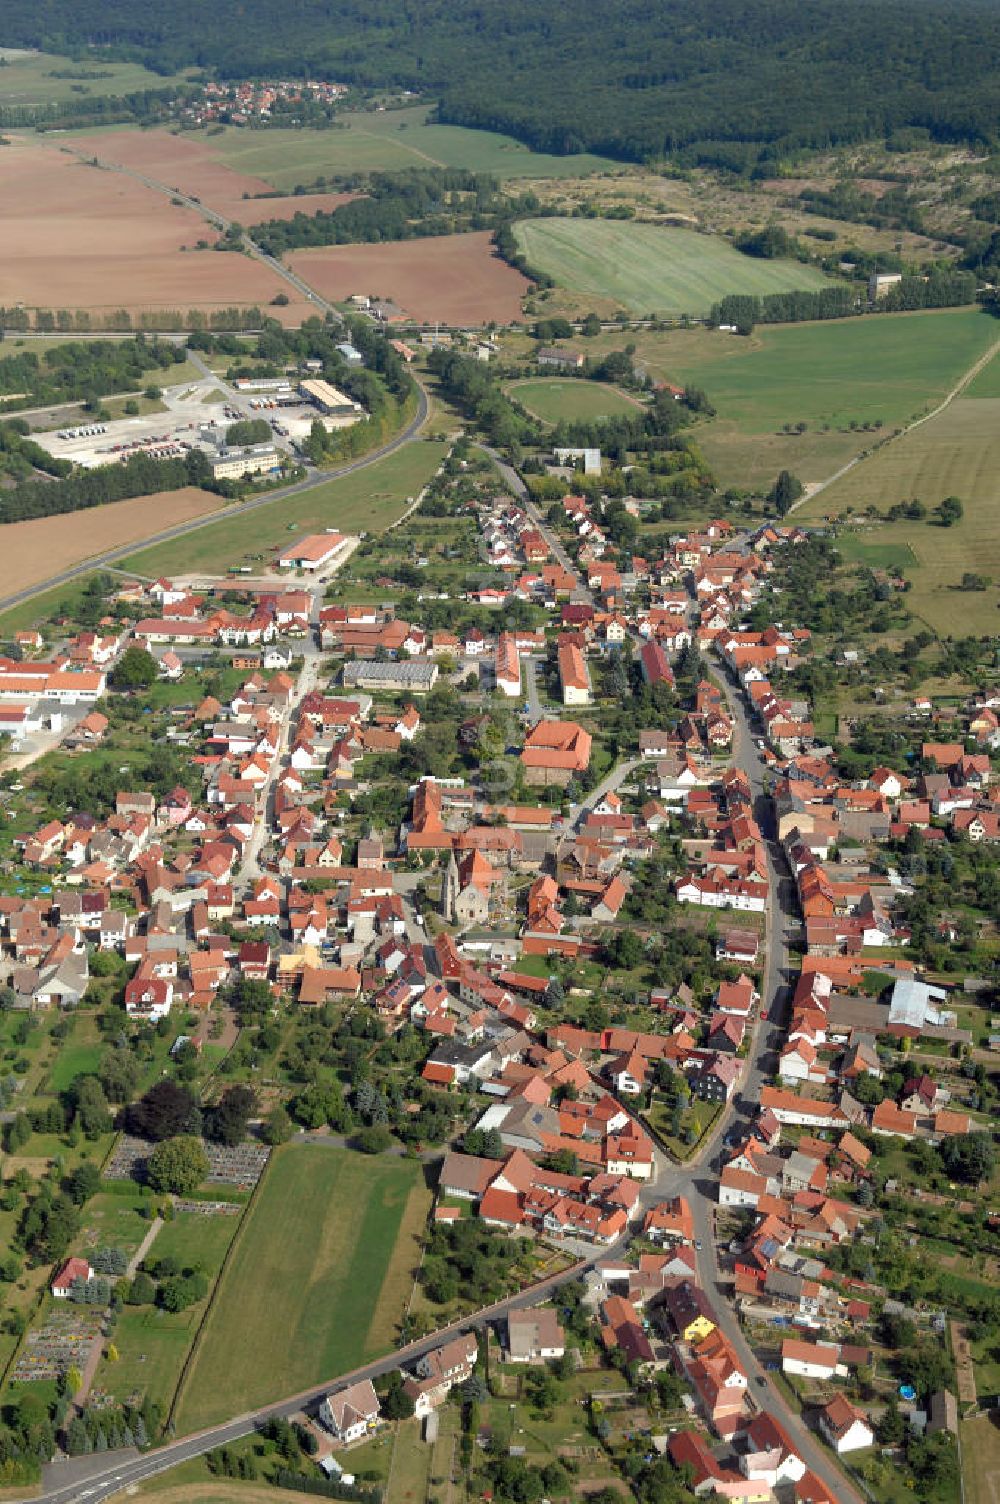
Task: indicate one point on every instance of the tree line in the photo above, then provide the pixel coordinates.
(20, 320)
(398, 206)
(138, 476)
(940, 289)
(737, 82)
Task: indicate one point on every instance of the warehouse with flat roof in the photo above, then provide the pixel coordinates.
(329, 399)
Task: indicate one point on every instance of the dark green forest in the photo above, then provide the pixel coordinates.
(734, 82)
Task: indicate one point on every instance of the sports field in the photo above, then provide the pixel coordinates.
(888, 369)
(369, 499)
(651, 269)
(386, 141)
(555, 401)
(956, 453)
(316, 1284)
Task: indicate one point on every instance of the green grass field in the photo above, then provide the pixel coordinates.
(649, 269)
(386, 142)
(553, 400)
(827, 375)
(987, 383)
(956, 453)
(304, 1297)
(28, 79)
(981, 1459)
(75, 1060)
(369, 499)
(114, 1219)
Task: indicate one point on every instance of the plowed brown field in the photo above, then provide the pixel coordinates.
(185, 164)
(75, 236)
(454, 278)
(32, 552)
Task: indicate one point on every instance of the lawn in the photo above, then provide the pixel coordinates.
(116, 1219)
(956, 453)
(153, 1344)
(386, 142)
(79, 1055)
(369, 499)
(322, 1239)
(29, 79)
(195, 1238)
(827, 376)
(650, 269)
(555, 401)
(980, 1439)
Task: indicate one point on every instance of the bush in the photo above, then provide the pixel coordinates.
(373, 1140)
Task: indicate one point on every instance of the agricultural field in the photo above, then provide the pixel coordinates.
(649, 268)
(826, 376)
(451, 279)
(368, 499)
(36, 550)
(555, 401)
(323, 1240)
(31, 78)
(987, 382)
(186, 162)
(980, 1441)
(956, 453)
(387, 141)
(78, 237)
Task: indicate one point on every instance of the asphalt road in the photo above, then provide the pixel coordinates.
(82, 1482)
(299, 488)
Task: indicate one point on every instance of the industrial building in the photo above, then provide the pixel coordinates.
(415, 676)
(329, 399)
(232, 464)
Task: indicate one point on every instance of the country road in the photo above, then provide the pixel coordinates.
(220, 222)
(299, 488)
(965, 380)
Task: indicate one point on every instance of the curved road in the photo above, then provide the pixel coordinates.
(113, 555)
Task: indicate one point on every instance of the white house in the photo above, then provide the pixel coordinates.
(809, 1360)
(351, 1413)
(844, 1426)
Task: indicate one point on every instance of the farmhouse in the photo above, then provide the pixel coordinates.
(844, 1426)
